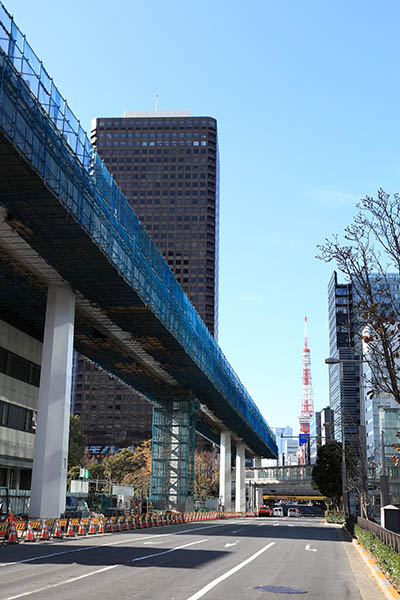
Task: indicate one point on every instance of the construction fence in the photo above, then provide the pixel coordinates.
(15, 531)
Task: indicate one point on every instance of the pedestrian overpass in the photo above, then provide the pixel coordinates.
(293, 482)
(78, 269)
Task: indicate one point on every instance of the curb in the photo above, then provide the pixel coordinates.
(387, 588)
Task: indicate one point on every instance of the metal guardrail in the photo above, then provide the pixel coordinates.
(390, 538)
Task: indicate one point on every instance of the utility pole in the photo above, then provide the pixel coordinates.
(384, 480)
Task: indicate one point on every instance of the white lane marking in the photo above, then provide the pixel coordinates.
(261, 525)
(311, 549)
(97, 547)
(212, 584)
(145, 543)
(276, 525)
(236, 530)
(73, 579)
(229, 545)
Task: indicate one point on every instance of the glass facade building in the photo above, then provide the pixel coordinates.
(344, 379)
(167, 166)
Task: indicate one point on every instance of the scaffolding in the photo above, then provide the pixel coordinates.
(172, 469)
(37, 121)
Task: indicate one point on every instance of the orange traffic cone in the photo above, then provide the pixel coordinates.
(101, 526)
(29, 537)
(133, 523)
(57, 531)
(118, 525)
(109, 526)
(92, 528)
(81, 530)
(12, 536)
(70, 529)
(44, 534)
(126, 524)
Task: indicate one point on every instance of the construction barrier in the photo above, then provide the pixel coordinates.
(45, 529)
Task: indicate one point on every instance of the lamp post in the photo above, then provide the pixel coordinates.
(361, 430)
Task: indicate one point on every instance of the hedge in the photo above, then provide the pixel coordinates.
(387, 557)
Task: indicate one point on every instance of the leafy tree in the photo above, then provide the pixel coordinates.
(139, 477)
(205, 474)
(327, 474)
(117, 466)
(77, 442)
(73, 473)
(96, 470)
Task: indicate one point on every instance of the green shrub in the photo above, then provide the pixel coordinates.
(334, 516)
(350, 523)
(387, 557)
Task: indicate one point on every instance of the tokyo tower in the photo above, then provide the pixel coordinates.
(307, 405)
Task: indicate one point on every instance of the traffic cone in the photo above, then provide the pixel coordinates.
(57, 532)
(118, 525)
(44, 534)
(81, 530)
(126, 524)
(101, 526)
(29, 537)
(92, 528)
(133, 523)
(13, 536)
(109, 526)
(70, 529)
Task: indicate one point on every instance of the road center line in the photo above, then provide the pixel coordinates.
(73, 579)
(212, 584)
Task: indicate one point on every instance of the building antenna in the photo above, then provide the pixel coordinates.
(156, 102)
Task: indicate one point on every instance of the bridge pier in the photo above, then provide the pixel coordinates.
(259, 490)
(50, 462)
(172, 464)
(240, 485)
(225, 470)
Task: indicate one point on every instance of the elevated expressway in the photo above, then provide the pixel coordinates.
(78, 270)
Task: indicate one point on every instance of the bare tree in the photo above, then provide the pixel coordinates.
(367, 257)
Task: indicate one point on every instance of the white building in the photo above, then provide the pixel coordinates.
(20, 358)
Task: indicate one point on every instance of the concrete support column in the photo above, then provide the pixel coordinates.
(225, 476)
(240, 501)
(259, 492)
(50, 462)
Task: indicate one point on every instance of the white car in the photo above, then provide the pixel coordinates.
(293, 512)
(278, 511)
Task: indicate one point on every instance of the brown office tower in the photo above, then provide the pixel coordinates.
(166, 164)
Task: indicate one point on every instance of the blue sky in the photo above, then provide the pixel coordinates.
(306, 98)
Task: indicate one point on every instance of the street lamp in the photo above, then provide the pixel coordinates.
(361, 431)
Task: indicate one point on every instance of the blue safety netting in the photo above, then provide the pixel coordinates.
(37, 119)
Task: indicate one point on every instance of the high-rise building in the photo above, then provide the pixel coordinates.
(327, 425)
(344, 378)
(166, 163)
(345, 388)
(315, 436)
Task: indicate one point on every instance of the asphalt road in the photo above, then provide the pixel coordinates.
(257, 559)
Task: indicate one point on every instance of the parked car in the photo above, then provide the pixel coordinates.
(264, 511)
(293, 512)
(278, 511)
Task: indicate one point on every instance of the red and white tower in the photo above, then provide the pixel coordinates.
(307, 405)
